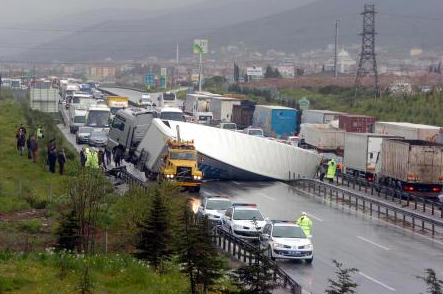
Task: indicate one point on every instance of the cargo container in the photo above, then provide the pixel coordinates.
(277, 121)
(313, 116)
(362, 153)
(414, 166)
(221, 107)
(356, 123)
(322, 137)
(242, 115)
(407, 130)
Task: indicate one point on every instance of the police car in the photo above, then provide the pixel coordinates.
(284, 239)
(214, 208)
(244, 221)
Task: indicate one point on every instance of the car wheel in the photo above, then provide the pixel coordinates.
(270, 254)
(309, 261)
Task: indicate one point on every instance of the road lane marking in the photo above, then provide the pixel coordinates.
(373, 243)
(377, 281)
(237, 183)
(266, 196)
(313, 216)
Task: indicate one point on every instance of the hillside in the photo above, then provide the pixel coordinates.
(134, 38)
(401, 24)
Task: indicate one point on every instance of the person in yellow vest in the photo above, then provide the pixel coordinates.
(332, 168)
(305, 223)
(94, 159)
(88, 154)
(40, 133)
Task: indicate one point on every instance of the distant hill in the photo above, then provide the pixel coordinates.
(401, 24)
(134, 38)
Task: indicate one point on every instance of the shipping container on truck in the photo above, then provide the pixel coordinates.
(242, 114)
(276, 121)
(221, 107)
(314, 116)
(415, 166)
(356, 123)
(408, 130)
(322, 137)
(362, 154)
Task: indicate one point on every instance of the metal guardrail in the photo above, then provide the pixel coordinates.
(389, 212)
(229, 243)
(394, 195)
(246, 252)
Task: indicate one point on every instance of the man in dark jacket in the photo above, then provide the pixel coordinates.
(21, 141)
(28, 146)
(61, 158)
(52, 160)
(101, 158)
(83, 157)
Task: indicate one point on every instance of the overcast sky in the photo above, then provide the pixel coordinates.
(27, 11)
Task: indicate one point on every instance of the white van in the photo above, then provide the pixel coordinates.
(77, 118)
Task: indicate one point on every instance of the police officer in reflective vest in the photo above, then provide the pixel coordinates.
(305, 223)
(332, 168)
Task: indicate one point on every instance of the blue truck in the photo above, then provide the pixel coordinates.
(276, 121)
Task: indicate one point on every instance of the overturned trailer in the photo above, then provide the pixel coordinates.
(227, 155)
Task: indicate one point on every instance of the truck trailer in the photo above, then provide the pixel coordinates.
(408, 131)
(278, 121)
(322, 137)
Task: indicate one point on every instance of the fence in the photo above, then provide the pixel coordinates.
(381, 209)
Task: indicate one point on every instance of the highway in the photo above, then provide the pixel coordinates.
(135, 95)
(387, 257)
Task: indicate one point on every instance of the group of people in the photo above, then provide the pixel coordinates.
(55, 156)
(93, 158)
(30, 141)
(328, 169)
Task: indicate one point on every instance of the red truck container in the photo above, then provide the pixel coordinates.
(356, 123)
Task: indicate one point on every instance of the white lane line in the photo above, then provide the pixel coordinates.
(377, 281)
(373, 243)
(237, 183)
(313, 216)
(266, 196)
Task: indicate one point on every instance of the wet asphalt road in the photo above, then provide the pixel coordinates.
(388, 258)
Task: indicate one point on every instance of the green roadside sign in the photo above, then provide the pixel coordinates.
(304, 103)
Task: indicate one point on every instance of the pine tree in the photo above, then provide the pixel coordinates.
(68, 233)
(269, 73)
(236, 73)
(153, 237)
(344, 285)
(201, 262)
(432, 282)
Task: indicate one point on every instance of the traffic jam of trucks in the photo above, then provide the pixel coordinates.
(405, 156)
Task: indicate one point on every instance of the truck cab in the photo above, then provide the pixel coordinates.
(204, 117)
(128, 128)
(171, 113)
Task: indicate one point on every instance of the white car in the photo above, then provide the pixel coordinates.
(244, 221)
(283, 239)
(214, 208)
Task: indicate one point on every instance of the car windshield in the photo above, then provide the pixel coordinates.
(288, 232)
(169, 96)
(204, 117)
(229, 126)
(98, 118)
(247, 214)
(85, 130)
(255, 132)
(115, 109)
(177, 116)
(218, 204)
(79, 119)
(183, 155)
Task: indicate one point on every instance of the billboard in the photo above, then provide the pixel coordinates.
(286, 69)
(200, 46)
(254, 71)
(149, 80)
(163, 71)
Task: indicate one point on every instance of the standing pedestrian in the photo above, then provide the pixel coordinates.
(34, 148)
(322, 170)
(101, 158)
(21, 142)
(61, 158)
(108, 156)
(28, 146)
(22, 128)
(305, 223)
(332, 168)
(83, 156)
(40, 134)
(117, 157)
(52, 160)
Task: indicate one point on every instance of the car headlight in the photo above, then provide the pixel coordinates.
(309, 246)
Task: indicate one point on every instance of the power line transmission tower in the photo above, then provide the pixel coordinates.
(368, 62)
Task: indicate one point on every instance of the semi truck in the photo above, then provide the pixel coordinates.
(115, 103)
(362, 154)
(322, 137)
(408, 130)
(414, 166)
(161, 156)
(276, 121)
